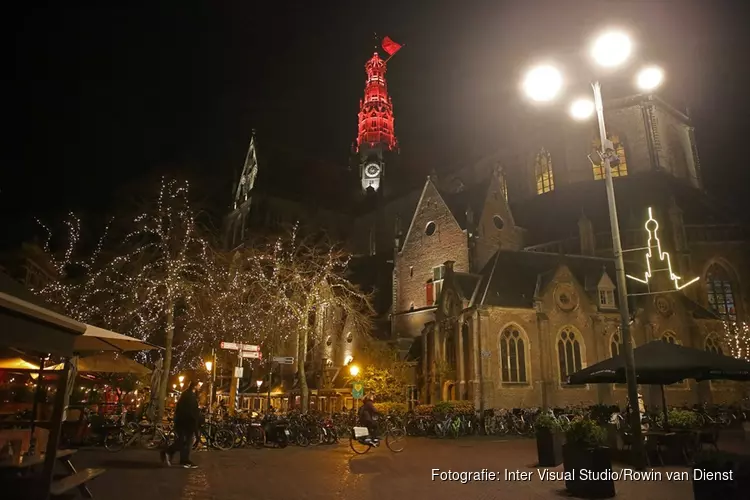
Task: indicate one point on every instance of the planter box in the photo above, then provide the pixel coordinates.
(549, 447)
(721, 486)
(581, 462)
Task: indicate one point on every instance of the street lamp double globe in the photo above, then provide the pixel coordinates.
(543, 84)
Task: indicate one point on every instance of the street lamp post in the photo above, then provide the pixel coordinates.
(211, 369)
(622, 292)
(543, 84)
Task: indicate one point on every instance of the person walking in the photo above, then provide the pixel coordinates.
(186, 421)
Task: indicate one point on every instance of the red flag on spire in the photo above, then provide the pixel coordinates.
(390, 46)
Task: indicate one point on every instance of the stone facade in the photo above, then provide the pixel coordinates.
(508, 253)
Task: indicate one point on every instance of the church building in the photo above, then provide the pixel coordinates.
(498, 279)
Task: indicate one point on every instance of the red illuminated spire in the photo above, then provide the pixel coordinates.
(376, 109)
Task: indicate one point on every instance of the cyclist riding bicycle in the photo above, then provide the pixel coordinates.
(368, 417)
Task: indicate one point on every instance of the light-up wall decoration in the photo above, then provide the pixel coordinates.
(376, 109)
(653, 243)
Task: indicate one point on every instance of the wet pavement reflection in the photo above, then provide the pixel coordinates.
(335, 472)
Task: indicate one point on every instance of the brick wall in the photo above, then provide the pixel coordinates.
(420, 252)
(489, 237)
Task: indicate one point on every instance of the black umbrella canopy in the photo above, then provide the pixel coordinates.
(660, 362)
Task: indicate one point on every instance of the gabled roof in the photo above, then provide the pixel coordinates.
(466, 284)
(427, 184)
(514, 278)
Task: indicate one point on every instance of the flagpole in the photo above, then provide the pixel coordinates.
(391, 56)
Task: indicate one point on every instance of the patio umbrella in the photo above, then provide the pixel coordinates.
(662, 363)
(107, 362)
(98, 339)
(17, 364)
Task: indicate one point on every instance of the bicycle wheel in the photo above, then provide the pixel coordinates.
(256, 437)
(301, 440)
(358, 447)
(115, 441)
(223, 439)
(395, 440)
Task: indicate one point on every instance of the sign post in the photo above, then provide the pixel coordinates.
(243, 351)
(358, 392)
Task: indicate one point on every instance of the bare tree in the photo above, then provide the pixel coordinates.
(297, 278)
(163, 266)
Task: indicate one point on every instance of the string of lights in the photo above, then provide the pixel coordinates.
(164, 279)
(737, 335)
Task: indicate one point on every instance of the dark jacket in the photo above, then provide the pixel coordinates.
(368, 413)
(186, 413)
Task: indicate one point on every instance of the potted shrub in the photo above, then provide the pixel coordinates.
(549, 440)
(587, 462)
(720, 475)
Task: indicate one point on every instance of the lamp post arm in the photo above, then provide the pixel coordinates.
(622, 293)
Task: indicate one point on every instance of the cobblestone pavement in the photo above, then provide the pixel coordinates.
(334, 472)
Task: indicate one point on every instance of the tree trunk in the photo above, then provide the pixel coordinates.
(167, 363)
(303, 331)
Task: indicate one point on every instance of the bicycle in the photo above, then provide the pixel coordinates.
(150, 435)
(394, 440)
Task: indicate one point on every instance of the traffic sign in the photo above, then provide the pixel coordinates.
(288, 360)
(358, 390)
(233, 346)
(251, 354)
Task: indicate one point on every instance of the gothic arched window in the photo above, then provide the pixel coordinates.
(569, 352)
(670, 338)
(513, 355)
(465, 343)
(620, 170)
(545, 178)
(450, 348)
(713, 344)
(720, 294)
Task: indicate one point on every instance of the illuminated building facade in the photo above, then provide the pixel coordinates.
(497, 278)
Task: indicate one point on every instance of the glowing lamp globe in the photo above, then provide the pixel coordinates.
(354, 370)
(542, 83)
(582, 109)
(209, 365)
(650, 78)
(611, 49)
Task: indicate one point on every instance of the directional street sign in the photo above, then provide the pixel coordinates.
(233, 346)
(251, 354)
(289, 360)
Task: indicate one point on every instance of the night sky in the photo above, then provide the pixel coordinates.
(101, 97)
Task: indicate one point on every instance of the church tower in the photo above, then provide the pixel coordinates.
(376, 145)
(238, 219)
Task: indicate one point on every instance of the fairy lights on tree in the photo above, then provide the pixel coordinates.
(296, 278)
(164, 276)
(737, 338)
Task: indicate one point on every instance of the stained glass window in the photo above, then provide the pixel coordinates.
(620, 170)
(720, 294)
(545, 179)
